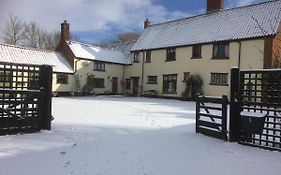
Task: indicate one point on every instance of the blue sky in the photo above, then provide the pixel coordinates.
(98, 20)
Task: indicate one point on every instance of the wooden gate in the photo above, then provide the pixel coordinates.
(211, 116)
(25, 98)
(257, 92)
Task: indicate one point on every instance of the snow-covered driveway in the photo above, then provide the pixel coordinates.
(128, 136)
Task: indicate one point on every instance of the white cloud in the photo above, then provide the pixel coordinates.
(86, 15)
(245, 2)
(238, 3)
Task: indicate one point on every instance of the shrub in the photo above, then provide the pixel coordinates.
(193, 86)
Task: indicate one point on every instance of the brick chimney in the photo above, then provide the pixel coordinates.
(146, 23)
(65, 31)
(214, 5)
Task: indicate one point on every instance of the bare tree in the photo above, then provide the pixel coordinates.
(37, 37)
(127, 36)
(14, 30)
(120, 38)
(277, 51)
(30, 34)
(52, 40)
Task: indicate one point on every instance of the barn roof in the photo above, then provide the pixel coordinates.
(31, 56)
(90, 52)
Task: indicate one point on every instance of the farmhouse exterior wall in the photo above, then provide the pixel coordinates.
(251, 58)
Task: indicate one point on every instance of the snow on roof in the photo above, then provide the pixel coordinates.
(123, 47)
(230, 24)
(24, 55)
(97, 53)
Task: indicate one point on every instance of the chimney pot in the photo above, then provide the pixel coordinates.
(214, 5)
(146, 23)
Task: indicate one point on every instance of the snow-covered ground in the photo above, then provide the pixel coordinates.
(117, 135)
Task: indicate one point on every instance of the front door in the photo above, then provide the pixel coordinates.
(135, 85)
(114, 85)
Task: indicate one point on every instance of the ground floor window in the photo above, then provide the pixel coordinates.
(219, 79)
(128, 84)
(98, 82)
(152, 80)
(62, 79)
(170, 83)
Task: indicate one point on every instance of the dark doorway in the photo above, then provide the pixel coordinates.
(135, 85)
(114, 85)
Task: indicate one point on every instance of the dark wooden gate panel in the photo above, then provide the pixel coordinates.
(115, 85)
(135, 85)
(260, 92)
(25, 98)
(211, 116)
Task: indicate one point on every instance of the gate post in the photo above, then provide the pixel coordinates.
(224, 116)
(234, 128)
(197, 112)
(46, 100)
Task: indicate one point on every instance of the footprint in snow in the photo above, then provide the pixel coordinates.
(62, 154)
(67, 163)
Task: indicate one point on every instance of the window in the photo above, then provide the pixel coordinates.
(5, 79)
(33, 82)
(170, 83)
(148, 57)
(128, 84)
(152, 80)
(136, 57)
(171, 54)
(5, 76)
(98, 82)
(62, 79)
(219, 78)
(99, 66)
(221, 51)
(185, 76)
(196, 51)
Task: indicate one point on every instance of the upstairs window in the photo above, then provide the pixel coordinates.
(152, 80)
(99, 66)
(148, 56)
(136, 57)
(62, 79)
(221, 51)
(219, 79)
(171, 54)
(196, 51)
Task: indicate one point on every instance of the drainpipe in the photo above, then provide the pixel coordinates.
(123, 80)
(239, 56)
(142, 72)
